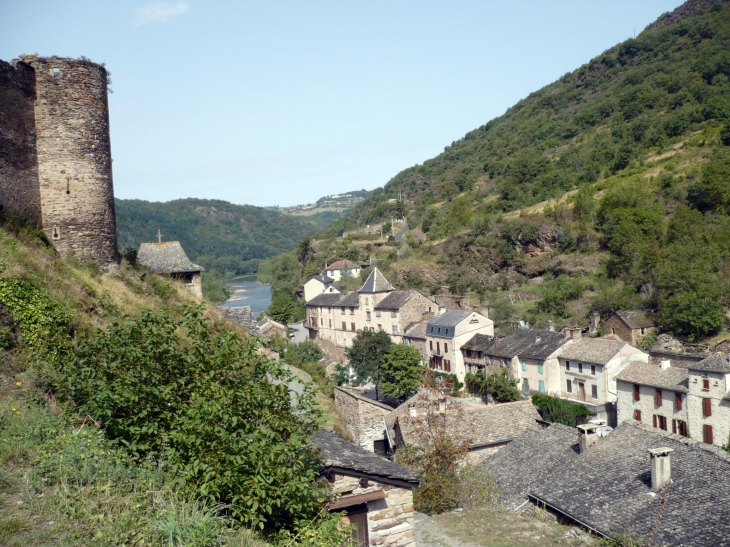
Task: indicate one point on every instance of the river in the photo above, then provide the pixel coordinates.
(249, 292)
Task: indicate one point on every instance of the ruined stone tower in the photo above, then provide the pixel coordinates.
(55, 154)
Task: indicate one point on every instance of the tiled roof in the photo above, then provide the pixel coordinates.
(350, 299)
(324, 279)
(608, 488)
(544, 345)
(325, 300)
(717, 362)
(479, 425)
(337, 452)
(447, 320)
(417, 331)
(592, 350)
(376, 282)
(267, 323)
(395, 300)
(649, 374)
(479, 342)
(341, 264)
(518, 341)
(677, 359)
(425, 400)
(166, 258)
(637, 319)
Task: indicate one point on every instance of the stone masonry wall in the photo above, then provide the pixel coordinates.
(364, 418)
(616, 326)
(74, 157)
(390, 520)
(19, 190)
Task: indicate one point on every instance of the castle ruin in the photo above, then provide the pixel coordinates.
(55, 152)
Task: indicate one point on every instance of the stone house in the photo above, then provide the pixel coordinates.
(376, 495)
(268, 327)
(242, 316)
(589, 367)
(539, 369)
(636, 479)
(691, 400)
(631, 326)
(342, 267)
(376, 306)
(416, 338)
(447, 333)
(485, 428)
(364, 418)
(169, 258)
(316, 286)
(474, 352)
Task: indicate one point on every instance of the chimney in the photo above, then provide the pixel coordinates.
(577, 334)
(595, 320)
(442, 405)
(588, 436)
(661, 471)
(566, 333)
(550, 326)
(442, 310)
(665, 364)
(412, 411)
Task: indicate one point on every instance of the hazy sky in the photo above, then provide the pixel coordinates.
(280, 103)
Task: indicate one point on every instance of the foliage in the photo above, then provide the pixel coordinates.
(647, 342)
(327, 530)
(560, 411)
(477, 488)
(215, 288)
(207, 404)
(303, 352)
(283, 308)
(556, 294)
(367, 353)
(500, 385)
(694, 314)
(342, 374)
(401, 371)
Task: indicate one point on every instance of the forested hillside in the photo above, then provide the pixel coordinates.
(608, 189)
(231, 239)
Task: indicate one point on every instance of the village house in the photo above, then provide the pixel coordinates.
(631, 326)
(447, 332)
(689, 400)
(635, 481)
(589, 367)
(317, 285)
(475, 357)
(376, 306)
(416, 338)
(169, 258)
(364, 419)
(376, 495)
(343, 268)
(268, 327)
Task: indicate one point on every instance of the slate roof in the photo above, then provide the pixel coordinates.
(267, 324)
(479, 425)
(521, 339)
(592, 350)
(716, 362)
(337, 452)
(479, 342)
(395, 300)
(447, 320)
(376, 282)
(417, 331)
(649, 374)
(677, 359)
(637, 319)
(607, 488)
(425, 400)
(544, 345)
(350, 299)
(325, 300)
(326, 280)
(166, 258)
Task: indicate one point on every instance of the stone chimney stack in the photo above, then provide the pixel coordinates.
(412, 411)
(442, 406)
(566, 333)
(665, 364)
(577, 333)
(588, 436)
(442, 310)
(595, 321)
(550, 326)
(661, 471)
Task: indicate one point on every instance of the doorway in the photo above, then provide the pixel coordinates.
(581, 391)
(358, 515)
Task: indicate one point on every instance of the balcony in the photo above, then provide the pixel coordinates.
(312, 324)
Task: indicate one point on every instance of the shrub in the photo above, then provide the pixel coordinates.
(560, 411)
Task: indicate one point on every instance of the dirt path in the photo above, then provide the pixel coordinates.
(429, 533)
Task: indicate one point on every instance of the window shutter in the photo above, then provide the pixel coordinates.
(352, 326)
(430, 345)
(637, 415)
(593, 370)
(446, 348)
(707, 430)
(594, 391)
(524, 365)
(707, 407)
(542, 386)
(658, 397)
(705, 383)
(674, 426)
(539, 368)
(678, 401)
(569, 386)
(654, 420)
(637, 392)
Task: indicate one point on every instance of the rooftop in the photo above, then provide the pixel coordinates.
(342, 264)
(417, 331)
(716, 362)
(650, 374)
(336, 452)
(592, 350)
(521, 339)
(395, 300)
(326, 300)
(479, 342)
(637, 319)
(324, 279)
(375, 283)
(167, 257)
(447, 321)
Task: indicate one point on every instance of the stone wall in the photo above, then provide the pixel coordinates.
(19, 189)
(390, 520)
(363, 417)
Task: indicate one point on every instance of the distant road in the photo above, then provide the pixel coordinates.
(399, 235)
(300, 333)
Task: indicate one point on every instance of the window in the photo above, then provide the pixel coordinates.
(377, 313)
(707, 433)
(321, 321)
(642, 331)
(542, 386)
(447, 332)
(352, 326)
(567, 365)
(524, 365)
(662, 422)
(569, 386)
(344, 325)
(707, 407)
(369, 316)
(430, 345)
(446, 348)
(677, 401)
(539, 368)
(594, 391)
(637, 392)
(380, 328)
(468, 353)
(439, 330)
(394, 314)
(352, 311)
(438, 347)
(395, 329)
(342, 310)
(330, 323)
(658, 397)
(637, 415)
(580, 367)
(593, 370)
(525, 387)
(682, 428)
(705, 383)
(447, 365)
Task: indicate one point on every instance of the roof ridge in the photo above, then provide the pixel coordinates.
(687, 441)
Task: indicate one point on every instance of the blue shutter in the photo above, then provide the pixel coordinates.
(539, 368)
(525, 387)
(542, 386)
(524, 365)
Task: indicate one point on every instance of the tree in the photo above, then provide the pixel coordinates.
(303, 352)
(366, 355)
(283, 307)
(695, 314)
(400, 371)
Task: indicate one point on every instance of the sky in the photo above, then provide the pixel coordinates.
(283, 102)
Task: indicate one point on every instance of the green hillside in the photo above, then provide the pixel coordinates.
(608, 189)
(231, 239)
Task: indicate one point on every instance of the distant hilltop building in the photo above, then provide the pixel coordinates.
(55, 153)
(169, 258)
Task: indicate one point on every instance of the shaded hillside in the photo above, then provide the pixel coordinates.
(231, 239)
(602, 119)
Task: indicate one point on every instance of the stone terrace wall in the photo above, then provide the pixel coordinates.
(364, 418)
(19, 189)
(390, 520)
(74, 157)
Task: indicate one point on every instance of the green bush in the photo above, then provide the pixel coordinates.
(560, 411)
(215, 288)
